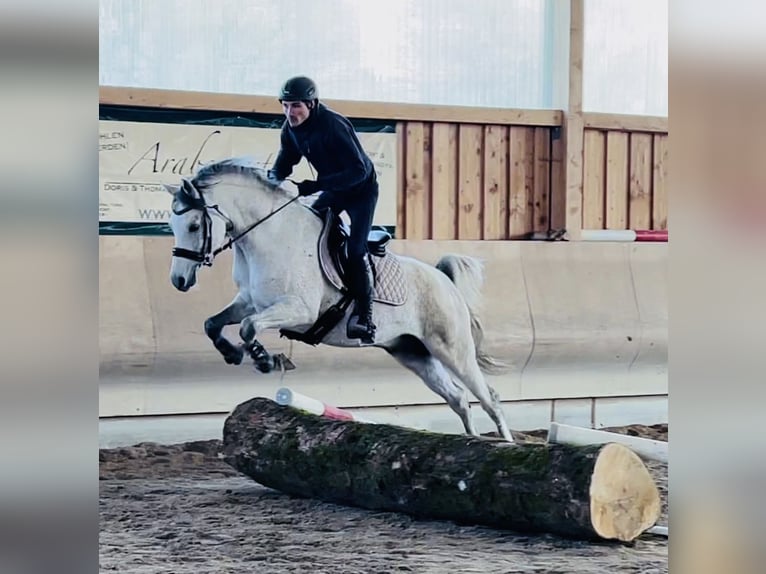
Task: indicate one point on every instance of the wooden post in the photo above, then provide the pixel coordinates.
(573, 135)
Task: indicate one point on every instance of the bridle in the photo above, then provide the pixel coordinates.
(207, 254)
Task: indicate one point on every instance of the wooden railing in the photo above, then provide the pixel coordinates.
(481, 173)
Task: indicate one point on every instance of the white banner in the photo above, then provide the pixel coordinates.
(136, 158)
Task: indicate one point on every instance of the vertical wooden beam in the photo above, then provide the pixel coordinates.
(659, 182)
(640, 190)
(617, 182)
(521, 212)
(594, 184)
(444, 181)
(558, 182)
(557, 14)
(427, 180)
(470, 212)
(495, 182)
(417, 195)
(401, 180)
(529, 181)
(542, 181)
(573, 123)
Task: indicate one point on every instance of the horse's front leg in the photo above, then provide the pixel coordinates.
(237, 310)
(289, 311)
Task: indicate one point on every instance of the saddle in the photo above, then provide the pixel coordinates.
(332, 246)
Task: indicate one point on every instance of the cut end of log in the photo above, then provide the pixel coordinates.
(624, 499)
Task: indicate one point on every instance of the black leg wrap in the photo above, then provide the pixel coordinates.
(264, 362)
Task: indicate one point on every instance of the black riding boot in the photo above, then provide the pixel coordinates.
(360, 325)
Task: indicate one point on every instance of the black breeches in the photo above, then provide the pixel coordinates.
(360, 210)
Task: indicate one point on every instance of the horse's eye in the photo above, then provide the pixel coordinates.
(194, 227)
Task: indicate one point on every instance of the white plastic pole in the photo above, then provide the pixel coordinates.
(643, 447)
(607, 235)
(658, 530)
(291, 398)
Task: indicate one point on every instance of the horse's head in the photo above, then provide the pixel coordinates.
(248, 196)
(199, 230)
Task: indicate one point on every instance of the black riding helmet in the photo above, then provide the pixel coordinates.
(298, 89)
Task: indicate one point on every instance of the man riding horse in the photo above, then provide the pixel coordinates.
(345, 176)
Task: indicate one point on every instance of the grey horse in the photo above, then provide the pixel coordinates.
(436, 332)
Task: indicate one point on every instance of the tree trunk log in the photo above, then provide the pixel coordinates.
(588, 492)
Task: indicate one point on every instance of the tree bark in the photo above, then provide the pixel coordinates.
(588, 492)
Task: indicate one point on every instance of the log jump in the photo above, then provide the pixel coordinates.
(592, 492)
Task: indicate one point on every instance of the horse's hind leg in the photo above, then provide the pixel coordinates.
(411, 353)
(461, 360)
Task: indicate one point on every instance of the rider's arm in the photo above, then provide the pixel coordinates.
(287, 157)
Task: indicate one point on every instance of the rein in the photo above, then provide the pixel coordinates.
(207, 254)
(250, 227)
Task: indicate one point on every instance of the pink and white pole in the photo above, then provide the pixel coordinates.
(625, 235)
(290, 398)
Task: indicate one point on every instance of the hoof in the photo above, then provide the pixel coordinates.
(235, 357)
(264, 366)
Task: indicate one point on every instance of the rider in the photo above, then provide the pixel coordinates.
(345, 176)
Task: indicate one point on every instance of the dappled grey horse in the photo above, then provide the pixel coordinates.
(429, 325)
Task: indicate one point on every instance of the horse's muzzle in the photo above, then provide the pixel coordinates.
(181, 284)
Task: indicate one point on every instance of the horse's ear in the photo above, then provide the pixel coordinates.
(187, 187)
(171, 189)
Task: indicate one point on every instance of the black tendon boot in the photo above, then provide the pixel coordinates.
(360, 325)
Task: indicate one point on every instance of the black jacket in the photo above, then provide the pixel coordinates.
(327, 140)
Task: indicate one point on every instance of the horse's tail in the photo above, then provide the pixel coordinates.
(467, 274)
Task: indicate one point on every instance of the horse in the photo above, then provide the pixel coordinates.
(432, 328)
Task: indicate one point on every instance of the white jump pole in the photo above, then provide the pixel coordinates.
(579, 436)
(290, 398)
(622, 235)
(658, 530)
(608, 235)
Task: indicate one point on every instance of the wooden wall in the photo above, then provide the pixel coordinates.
(624, 179)
(486, 181)
(472, 181)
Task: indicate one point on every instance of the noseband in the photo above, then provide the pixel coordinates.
(207, 254)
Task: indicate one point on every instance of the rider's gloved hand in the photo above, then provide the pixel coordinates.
(307, 187)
